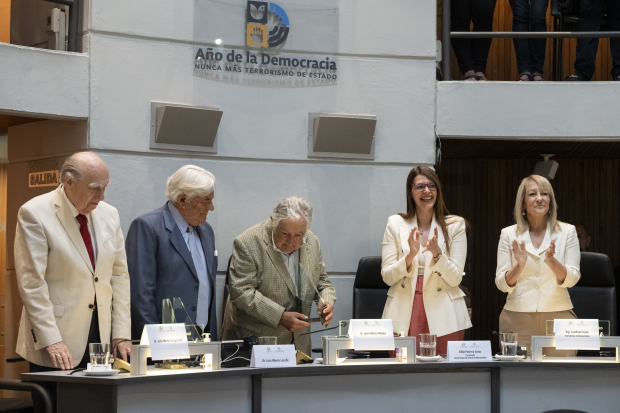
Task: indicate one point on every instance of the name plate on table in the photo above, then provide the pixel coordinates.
(577, 335)
(274, 356)
(465, 351)
(167, 341)
(372, 334)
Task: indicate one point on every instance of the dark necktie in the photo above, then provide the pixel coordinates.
(86, 237)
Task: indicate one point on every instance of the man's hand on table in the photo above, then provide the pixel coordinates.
(61, 357)
(123, 347)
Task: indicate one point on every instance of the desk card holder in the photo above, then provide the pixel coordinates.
(333, 345)
(139, 354)
(538, 342)
(604, 328)
(343, 328)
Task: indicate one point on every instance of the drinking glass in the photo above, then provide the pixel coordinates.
(267, 341)
(508, 343)
(100, 354)
(428, 345)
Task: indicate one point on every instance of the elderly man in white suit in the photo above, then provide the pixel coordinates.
(71, 270)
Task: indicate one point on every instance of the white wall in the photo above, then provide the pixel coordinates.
(528, 110)
(43, 83)
(386, 68)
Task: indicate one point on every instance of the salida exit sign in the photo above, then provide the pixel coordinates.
(45, 178)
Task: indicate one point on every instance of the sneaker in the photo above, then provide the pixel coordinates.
(575, 77)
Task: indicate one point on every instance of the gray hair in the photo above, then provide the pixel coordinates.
(71, 168)
(192, 181)
(292, 207)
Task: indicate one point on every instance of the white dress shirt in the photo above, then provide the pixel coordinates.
(91, 228)
(291, 261)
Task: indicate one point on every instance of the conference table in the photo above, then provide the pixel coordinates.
(365, 386)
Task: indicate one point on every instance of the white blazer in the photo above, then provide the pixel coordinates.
(57, 283)
(537, 289)
(445, 307)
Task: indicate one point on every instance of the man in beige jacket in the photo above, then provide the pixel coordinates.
(71, 270)
(275, 273)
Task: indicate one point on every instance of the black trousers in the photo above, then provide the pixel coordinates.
(472, 54)
(93, 337)
(591, 20)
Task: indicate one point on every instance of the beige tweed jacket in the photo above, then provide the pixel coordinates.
(261, 289)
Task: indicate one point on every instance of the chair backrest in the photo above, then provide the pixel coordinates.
(594, 296)
(226, 289)
(369, 290)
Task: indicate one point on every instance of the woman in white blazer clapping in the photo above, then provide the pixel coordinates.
(537, 261)
(423, 257)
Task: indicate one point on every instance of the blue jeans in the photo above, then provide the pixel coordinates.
(529, 16)
(591, 19)
(472, 54)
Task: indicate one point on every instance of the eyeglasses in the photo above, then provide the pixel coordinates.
(432, 186)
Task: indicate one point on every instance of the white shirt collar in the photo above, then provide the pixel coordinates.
(72, 208)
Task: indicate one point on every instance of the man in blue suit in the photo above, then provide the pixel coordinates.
(171, 253)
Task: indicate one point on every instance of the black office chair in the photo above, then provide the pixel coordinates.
(594, 296)
(369, 290)
(24, 405)
(226, 289)
(369, 297)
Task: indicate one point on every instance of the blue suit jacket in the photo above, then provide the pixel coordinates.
(161, 266)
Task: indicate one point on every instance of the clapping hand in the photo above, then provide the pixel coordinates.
(550, 253)
(414, 242)
(433, 244)
(414, 246)
(518, 250)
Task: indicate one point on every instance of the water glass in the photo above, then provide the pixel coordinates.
(100, 354)
(508, 343)
(428, 345)
(267, 341)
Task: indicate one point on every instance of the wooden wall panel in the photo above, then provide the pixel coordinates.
(502, 64)
(484, 191)
(3, 204)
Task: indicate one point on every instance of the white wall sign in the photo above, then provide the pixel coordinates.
(279, 69)
(167, 341)
(375, 334)
(576, 335)
(274, 356)
(267, 29)
(468, 351)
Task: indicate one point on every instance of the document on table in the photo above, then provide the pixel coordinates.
(577, 334)
(274, 356)
(167, 341)
(377, 334)
(469, 351)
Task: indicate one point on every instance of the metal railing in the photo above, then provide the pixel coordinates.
(448, 35)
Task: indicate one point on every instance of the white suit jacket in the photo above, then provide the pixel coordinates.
(445, 307)
(57, 283)
(537, 289)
